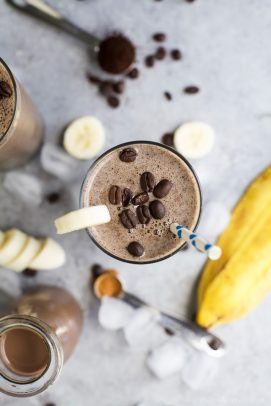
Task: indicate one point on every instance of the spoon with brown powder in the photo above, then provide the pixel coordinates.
(108, 283)
(115, 54)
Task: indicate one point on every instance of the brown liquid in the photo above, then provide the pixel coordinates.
(182, 203)
(57, 308)
(24, 352)
(20, 125)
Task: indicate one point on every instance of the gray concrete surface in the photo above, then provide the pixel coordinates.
(226, 48)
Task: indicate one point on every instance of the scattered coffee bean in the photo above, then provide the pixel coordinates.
(126, 197)
(149, 61)
(189, 1)
(133, 74)
(214, 344)
(128, 155)
(128, 219)
(106, 88)
(168, 96)
(143, 214)
(167, 139)
(157, 209)
(168, 331)
(191, 89)
(135, 249)
(96, 270)
(147, 181)
(5, 89)
(162, 188)
(115, 195)
(159, 37)
(29, 272)
(119, 87)
(113, 101)
(176, 54)
(160, 53)
(94, 79)
(53, 197)
(50, 404)
(141, 198)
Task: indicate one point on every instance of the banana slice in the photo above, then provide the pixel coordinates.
(84, 137)
(194, 139)
(50, 256)
(82, 218)
(13, 244)
(25, 257)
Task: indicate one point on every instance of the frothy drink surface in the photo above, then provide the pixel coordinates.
(182, 203)
(7, 104)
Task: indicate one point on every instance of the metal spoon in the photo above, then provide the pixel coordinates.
(197, 336)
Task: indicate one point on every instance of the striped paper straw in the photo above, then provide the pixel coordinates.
(213, 251)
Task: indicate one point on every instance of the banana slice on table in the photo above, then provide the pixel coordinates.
(84, 137)
(50, 256)
(194, 139)
(30, 251)
(82, 218)
(13, 244)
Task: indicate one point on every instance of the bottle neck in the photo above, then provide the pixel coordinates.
(31, 356)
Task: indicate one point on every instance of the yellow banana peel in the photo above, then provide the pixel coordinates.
(241, 278)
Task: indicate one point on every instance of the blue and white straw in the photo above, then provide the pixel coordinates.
(213, 251)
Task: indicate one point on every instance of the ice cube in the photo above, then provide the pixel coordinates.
(24, 187)
(199, 369)
(140, 325)
(114, 314)
(57, 162)
(168, 359)
(214, 219)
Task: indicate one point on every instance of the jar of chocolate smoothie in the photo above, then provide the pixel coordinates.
(21, 129)
(36, 339)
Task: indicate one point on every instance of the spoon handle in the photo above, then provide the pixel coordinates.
(39, 9)
(197, 336)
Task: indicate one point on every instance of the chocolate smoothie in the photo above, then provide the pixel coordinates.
(176, 199)
(20, 123)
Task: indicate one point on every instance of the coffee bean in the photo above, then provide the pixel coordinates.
(106, 88)
(53, 197)
(149, 61)
(133, 74)
(141, 198)
(115, 195)
(191, 89)
(128, 155)
(143, 214)
(147, 181)
(176, 54)
(5, 89)
(168, 96)
(157, 209)
(189, 1)
(126, 197)
(119, 87)
(94, 79)
(159, 37)
(113, 101)
(50, 404)
(168, 331)
(160, 53)
(215, 344)
(135, 249)
(162, 188)
(167, 139)
(128, 219)
(96, 270)
(29, 272)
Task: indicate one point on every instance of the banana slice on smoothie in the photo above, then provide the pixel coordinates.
(194, 139)
(13, 244)
(82, 218)
(84, 137)
(23, 260)
(50, 256)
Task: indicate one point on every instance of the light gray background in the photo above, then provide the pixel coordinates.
(226, 48)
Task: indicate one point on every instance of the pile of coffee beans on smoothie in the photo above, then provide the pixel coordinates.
(117, 53)
(143, 211)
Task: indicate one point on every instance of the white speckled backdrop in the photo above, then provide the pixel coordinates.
(226, 51)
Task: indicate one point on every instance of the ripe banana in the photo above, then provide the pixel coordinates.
(241, 278)
(23, 260)
(50, 256)
(14, 242)
(194, 139)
